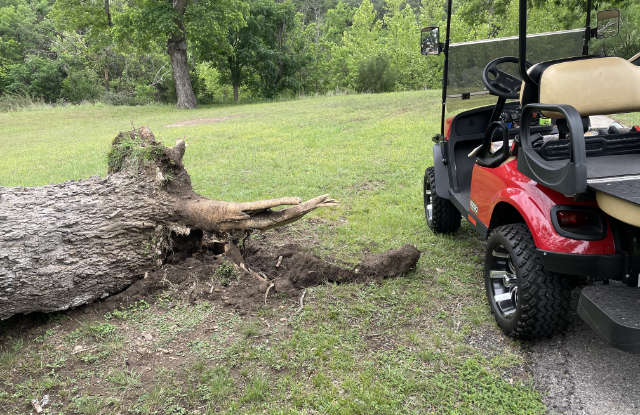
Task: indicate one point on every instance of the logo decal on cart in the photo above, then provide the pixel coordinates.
(474, 207)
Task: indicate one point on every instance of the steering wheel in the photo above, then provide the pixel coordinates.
(500, 83)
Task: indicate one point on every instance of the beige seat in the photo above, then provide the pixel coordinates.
(593, 86)
(597, 86)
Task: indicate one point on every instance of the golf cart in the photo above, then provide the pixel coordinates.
(556, 196)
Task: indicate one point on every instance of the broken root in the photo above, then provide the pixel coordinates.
(244, 282)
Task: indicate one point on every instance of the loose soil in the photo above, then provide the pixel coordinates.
(245, 279)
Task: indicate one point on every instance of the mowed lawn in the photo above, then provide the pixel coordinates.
(425, 343)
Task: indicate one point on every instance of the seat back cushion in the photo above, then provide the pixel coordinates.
(530, 94)
(593, 86)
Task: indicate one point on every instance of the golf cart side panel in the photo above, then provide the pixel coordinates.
(505, 184)
(442, 176)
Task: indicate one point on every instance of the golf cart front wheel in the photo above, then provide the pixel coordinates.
(441, 215)
(527, 302)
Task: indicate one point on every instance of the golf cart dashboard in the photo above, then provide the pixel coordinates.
(473, 124)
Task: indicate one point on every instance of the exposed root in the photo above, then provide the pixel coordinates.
(213, 215)
(252, 273)
(256, 278)
(301, 301)
(266, 293)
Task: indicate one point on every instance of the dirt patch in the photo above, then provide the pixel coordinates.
(200, 121)
(245, 280)
(368, 186)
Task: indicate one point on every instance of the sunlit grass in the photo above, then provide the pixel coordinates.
(404, 346)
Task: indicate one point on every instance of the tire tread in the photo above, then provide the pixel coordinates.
(445, 216)
(544, 297)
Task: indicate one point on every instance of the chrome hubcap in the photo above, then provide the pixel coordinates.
(503, 281)
(428, 205)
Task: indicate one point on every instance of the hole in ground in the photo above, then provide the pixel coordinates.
(184, 246)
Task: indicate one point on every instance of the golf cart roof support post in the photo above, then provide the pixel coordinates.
(445, 75)
(522, 43)
(587, 29)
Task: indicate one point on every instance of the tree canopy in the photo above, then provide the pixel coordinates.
(142, 51)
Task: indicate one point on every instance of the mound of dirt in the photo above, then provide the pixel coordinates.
(244, 281)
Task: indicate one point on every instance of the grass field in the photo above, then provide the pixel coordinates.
(425, 343)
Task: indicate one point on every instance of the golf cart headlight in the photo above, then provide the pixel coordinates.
(579, 222)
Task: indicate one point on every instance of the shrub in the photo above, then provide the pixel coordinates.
(37, 77)
(14, 102)
(81, 85)
(209, 86)
(376, 75)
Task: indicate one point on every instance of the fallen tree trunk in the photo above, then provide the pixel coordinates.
(69, 244)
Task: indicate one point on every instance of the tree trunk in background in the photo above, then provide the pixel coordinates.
(69, 244)
(107, 10)
(235, 69)
(177, 48)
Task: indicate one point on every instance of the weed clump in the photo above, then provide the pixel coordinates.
(132, 150)
(225, 273)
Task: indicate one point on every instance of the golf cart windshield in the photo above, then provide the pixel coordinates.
(467, 61)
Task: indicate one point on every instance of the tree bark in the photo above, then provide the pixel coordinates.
(107, 10)
(235, 69)
(69, 244)
(177, 49)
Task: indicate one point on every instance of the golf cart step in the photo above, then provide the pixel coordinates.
(613, 311)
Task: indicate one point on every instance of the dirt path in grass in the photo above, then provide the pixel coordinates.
(578, 373)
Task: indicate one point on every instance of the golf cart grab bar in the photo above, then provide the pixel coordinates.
(569, 178)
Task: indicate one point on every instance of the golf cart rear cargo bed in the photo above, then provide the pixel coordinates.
(625, 188)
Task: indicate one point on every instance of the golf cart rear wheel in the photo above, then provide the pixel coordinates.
(527, 302)
(441, 215)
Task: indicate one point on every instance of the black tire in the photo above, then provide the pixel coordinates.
(541, 304)
(444, 217)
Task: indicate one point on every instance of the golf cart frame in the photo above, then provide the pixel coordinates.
(556, 213)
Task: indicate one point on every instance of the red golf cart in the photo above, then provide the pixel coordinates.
(556, 196)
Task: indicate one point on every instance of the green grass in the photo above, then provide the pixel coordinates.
(425, 343)
(627, 119)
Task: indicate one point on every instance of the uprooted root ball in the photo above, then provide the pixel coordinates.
(244, 282)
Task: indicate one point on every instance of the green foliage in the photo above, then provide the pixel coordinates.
(71, 51)
(127, 313)
(82, 85)
(36, 77)
(211, 87)
(225, 273)
(376, 75)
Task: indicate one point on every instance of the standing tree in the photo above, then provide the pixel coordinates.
(148, 24)
(264, 47)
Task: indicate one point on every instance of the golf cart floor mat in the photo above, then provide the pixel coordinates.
(613, 311)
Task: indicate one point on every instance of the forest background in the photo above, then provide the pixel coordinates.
(135, 52)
